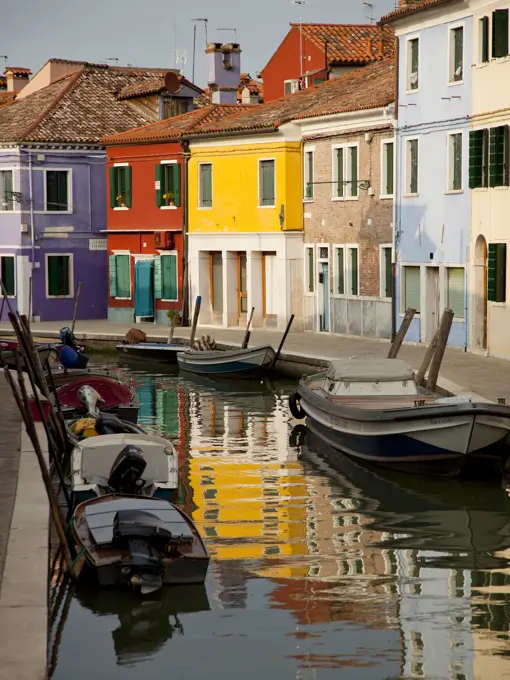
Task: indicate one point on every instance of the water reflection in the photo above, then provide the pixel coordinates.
(315, 568)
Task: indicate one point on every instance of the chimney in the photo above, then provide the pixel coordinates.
(223, 71)
(17, 78)
(381, 47)
(370, 47)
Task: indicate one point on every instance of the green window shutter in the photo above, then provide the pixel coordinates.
(8, 275)
(354, 271)
(158, 177)
(505, 170)
(413, 150)
(127, 179)
(176, 183)
(456, 162)
(169, 267)
(113, 187)
(484, 39)
(412, 288)
(496, 272)
(158, 278)
(476, 150)
(311, 278)
(388, 273)
(267, 183)
(206, 185)
(491, 271)
(340, 172)
(455, 291)
(500, 33)
(388, 189)
(353, 152)
(309, 187)
(498, 156)
(123, 276)
(340, 271)
(113, 272)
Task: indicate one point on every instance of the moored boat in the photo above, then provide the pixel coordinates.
(373, 410)
(116, 397)
(139, 543)
(157, 352)
(252, 362)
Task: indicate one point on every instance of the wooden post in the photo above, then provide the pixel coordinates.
(278, 351)
(76, 306)
(246, 338)
(442, 340)
(195, 320)
(426, 360)
(399, 339)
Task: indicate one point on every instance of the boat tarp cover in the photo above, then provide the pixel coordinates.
(369, 370)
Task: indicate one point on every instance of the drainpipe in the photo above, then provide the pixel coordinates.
(396, 213)
(32, 236)
(185, 248)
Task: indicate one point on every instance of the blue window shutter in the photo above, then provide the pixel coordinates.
(158, 279)
(113, 274)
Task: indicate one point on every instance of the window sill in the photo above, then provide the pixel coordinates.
(482, 64)
(450, 192)
(480, 189)
(497, 304)
(346, 198)
(500, 188)
(165, 300)
(204, 207)
(119, 298)
(266, 207)
(168, 207)
(453, 83)
(119, 208)
(412, 91)
(59, 297)
(410, 195)
(308, 200)
(58, 212)
(386, 197)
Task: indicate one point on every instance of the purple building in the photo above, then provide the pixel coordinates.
(53, 181)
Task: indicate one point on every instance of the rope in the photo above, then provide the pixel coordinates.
(70, 522)
(82, 551)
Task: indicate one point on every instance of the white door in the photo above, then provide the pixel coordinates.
(271, 307)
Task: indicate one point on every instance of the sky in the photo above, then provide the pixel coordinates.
(141, 32)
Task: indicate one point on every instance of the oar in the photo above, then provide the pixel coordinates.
(277, 355)
(246, 338)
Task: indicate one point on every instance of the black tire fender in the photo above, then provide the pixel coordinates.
(295, 406)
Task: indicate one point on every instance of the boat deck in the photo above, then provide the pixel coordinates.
(381, 402)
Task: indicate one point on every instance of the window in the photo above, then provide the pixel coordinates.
(412, 166)
(120, 276)
(500, 33)
(309, 270)
(120, 186)
(267, 190)
(174, 106)
(413, 47)
(205, 185)
(478, 159)
(455, 162)
(345, 172)
(498, 156)
(388, 161)
(6, 199)
(483, 40)
(456, 54)
(352, 271)
(411, 288)
(309, 175)
(339, 271)
(455, 291)
(386, 272)
(8, 275)
(496, 272)
(57, 190)
(59, 276)
(290, 86)
(165, 277)
(168, 184)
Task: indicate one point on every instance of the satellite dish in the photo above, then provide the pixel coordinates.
(172, 82)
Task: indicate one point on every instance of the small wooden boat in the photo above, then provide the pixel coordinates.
(139, 543)
(116, 398)
(252, 362)
(157, 352)
(150, 461)
(95, 426)
(64, 376)
(373, 410)
(45, 353)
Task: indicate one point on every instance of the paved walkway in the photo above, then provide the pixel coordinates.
(461, 372)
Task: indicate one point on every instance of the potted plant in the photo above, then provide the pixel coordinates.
(121, 200)
(173, 318)
(169, 198)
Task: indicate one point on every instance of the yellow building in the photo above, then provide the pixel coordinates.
(245, 245)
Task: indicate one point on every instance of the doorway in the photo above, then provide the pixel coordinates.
(144, 289)
(479, 297)
(216, 286)
(324, 300)
(432, 305)
(242, 288)
(269, 289)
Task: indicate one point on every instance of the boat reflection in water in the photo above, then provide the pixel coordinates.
(145, 624)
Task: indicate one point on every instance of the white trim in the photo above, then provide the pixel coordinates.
(167, 207)
(348, 270)
(69, 191)
(451, 55)
(449, 162)
(116, 253)
(384, 144)
(307, 292)
(15, 172)
(120, 252)
(259, 197)
(121, 165)
(71, 276)
(13, 257)
(307, 150)
(170, 162)
(407, 168)
(335, 247)
(199, 197)
(347, 173)
(326, 286)
(382, 270)
(407, 57)
(294, 83)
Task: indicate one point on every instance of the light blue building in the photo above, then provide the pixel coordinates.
(432, 202)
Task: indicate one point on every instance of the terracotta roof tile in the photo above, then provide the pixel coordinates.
(154, 86)
(18, 70)
(350, 43)
(411, 8)
(80, 108)
(6, 98)
(369, 87)
(173, 128)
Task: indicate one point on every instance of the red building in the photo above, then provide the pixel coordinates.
(146, 229)
(310, 53)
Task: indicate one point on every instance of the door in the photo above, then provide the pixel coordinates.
(432, 303)
(242, 287)
(144, 288)
(324, 296)
(216, 276)
(269, 286)
(479, 297)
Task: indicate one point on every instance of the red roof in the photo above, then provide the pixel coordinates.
(18, 70)
(153, 87)
(173, 128)
(411, 7)
(6, 98)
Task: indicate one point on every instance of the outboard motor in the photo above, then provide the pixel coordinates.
(90, 399)
(70, 355)
(127, 470)
(67, 338)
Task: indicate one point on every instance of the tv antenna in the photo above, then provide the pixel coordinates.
(300, 3)
(182, 58)
(205, 21)
(4, 57)
(115, 59)
(369, 7)
(229, 29)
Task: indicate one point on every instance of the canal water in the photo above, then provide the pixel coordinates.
(317, 572)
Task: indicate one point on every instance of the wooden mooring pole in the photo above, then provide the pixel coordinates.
(76, 306)
(278, 351)
(246, 338)
(442, 340)
(194, 325)
(399, 338)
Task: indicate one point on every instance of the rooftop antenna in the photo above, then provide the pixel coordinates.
(181, 57)
(369, 7)
(205, 26)
(4, 57)
(195, 40)
(300, 3)
(229, 29)
(115, 59)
